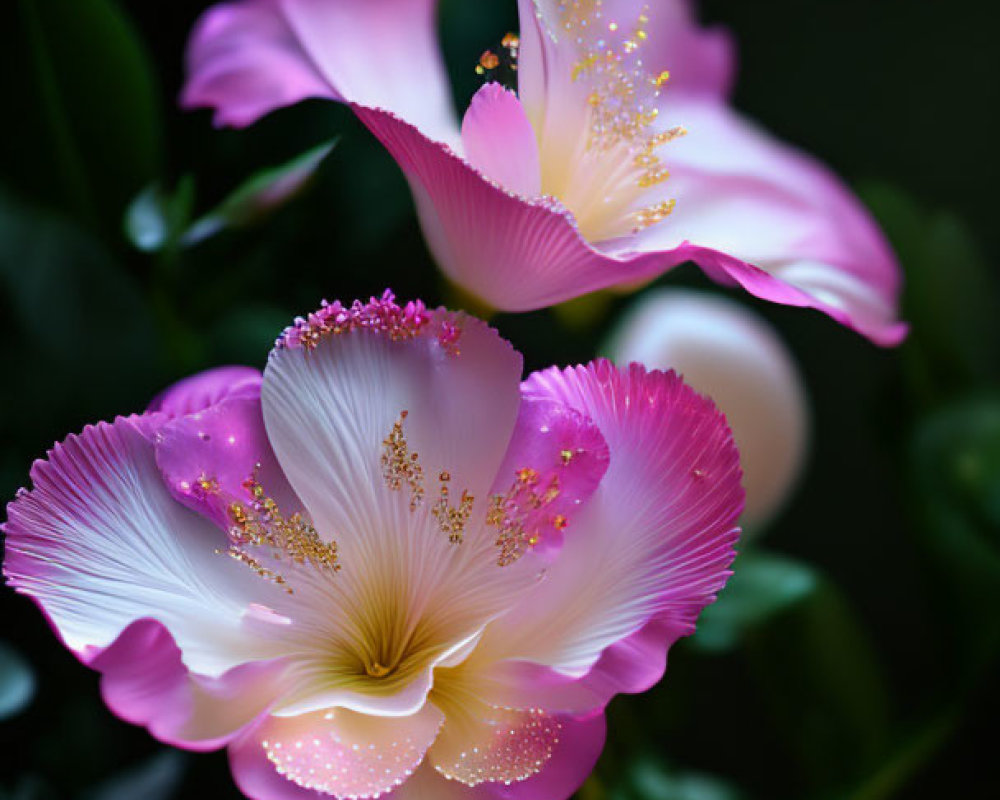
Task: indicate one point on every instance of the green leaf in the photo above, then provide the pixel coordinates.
(157, 220)
(762, 587)
(648, 779)
(261, 194)
(17, 682)
(89, 130)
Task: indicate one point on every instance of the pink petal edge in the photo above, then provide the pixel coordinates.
(520, 254)
(144, 682)
(203, 389)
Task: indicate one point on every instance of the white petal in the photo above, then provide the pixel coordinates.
(99, 543)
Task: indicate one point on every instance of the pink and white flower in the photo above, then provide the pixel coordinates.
(581, 181)
(385, 566)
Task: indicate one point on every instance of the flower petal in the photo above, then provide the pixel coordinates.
(244, 60)
(381, 53)
(516, 254)
(207, 457)
(391, 424)
(99, 543)
(249, 57)
(335, 753)
(631, 665)
(205, 389)
(519, 255)
(581, 740)
(555, 461)
(486, 744)
(726, 351)
(499, 141)
(483, 744)
(700, 60)
(428, 784)
(657, 537)
(742, 193)
(329, 410)
(145, 682)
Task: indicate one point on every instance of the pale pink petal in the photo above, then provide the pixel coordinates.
(482, 743)
(580, 743)
(581, 740)
(144, 681)
(506, 753)
(555, 461)
(520, 255)
(657, 537)
(207, 457)
(244, 60)
(499, 141)
(700, 60)
(99, 543)
(741, 192)
(391, 424)
(249, 57)
(333, 753)
(448, 380)
(205, 389)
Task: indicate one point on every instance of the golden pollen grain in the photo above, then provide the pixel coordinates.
(489, 60)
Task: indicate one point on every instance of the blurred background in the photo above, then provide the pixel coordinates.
(855, 653)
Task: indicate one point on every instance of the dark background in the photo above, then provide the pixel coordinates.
(855, 653)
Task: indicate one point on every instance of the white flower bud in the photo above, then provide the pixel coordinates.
(728, 352)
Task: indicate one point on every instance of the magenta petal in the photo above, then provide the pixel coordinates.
(206, 389)
(244, 60)
(655, 540)
(144, 681)
(207, 457)
(555, 450)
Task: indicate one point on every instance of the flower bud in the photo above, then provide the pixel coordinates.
(731, 354)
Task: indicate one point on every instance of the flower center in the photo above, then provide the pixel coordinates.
(602, 161)
(376, 670)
